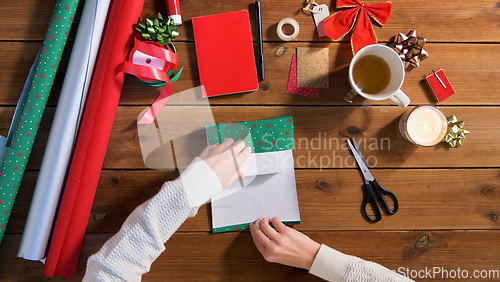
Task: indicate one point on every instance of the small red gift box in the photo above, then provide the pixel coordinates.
(440, 85)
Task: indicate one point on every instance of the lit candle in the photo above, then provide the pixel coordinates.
(424, 125)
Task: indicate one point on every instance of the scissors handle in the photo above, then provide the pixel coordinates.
(370, 199)
(382, 193)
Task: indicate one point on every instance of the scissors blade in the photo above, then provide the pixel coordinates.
(361, 163)
(355, 144)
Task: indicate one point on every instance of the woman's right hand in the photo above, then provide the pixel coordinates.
(225, 160)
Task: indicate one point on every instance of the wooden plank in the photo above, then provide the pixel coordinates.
(319, 133)
(28, 20)
(473, 77)
(328, 199)
(376, 128)
(25, 20)
(233, 256)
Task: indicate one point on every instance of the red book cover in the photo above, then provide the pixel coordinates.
(224, 50)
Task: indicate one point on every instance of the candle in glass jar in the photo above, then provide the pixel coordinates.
(424, 125)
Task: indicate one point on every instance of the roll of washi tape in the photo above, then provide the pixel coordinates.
(291, 22)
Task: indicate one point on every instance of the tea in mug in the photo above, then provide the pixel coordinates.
(372, 74)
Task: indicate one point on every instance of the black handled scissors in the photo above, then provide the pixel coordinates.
(370, 185)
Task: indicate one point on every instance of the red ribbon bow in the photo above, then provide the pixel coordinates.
(152, 74)
(358, 20)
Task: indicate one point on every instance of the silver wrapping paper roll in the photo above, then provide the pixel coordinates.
(63, 131)
(2, 145)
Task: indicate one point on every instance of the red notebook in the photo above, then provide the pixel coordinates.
(224, 50)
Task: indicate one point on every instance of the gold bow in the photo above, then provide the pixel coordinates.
(456, 132)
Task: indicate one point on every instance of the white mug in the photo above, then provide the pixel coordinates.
(393, 90)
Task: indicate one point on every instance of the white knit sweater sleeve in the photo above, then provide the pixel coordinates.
(333, 265)
(129, 254)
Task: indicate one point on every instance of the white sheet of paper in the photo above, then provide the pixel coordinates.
(256, 164)
(267, 195)
(262, 163)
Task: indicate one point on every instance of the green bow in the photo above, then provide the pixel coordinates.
(157, 29)
(162, 32)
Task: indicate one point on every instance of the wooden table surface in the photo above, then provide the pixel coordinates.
(449, 197)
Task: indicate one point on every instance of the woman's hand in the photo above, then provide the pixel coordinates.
(283, 244)
(225, 159)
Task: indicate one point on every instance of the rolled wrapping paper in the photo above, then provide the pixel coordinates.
(92, 141)
(3, 140)
(23, 132)
(19, 107)
(63, 131)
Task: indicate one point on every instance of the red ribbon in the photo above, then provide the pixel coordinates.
(357, 20)
(152, 74)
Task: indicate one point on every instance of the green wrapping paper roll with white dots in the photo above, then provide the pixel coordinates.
(24, 129)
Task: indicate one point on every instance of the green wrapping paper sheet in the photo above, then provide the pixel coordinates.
(23, 132)
(267, 135)
(235, 209)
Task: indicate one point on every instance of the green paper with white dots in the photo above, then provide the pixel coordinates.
(38, 86)
(245, 226)
(266, 135)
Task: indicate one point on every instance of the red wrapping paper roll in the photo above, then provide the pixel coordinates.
(93, 138)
